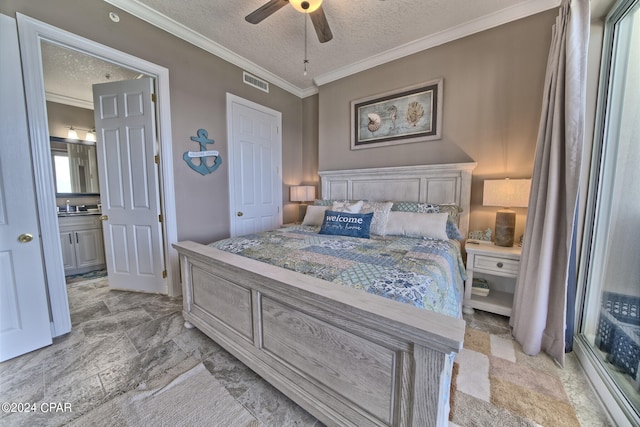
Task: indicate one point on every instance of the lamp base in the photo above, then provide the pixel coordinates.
(302, 211)
(505, 227)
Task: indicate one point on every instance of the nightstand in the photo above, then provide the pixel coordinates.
(499, 267)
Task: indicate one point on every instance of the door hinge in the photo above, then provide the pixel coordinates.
(156, 159)
(160, 218)
(153, 97)
(164, 274)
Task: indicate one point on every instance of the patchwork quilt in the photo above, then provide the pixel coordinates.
(424, 272)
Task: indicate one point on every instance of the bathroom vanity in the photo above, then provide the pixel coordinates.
(81, 242)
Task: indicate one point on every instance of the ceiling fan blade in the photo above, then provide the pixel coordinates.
(265, 11)
(321, 25)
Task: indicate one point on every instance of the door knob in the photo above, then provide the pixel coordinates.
(103, 217)
(25, 238)
(239, 214)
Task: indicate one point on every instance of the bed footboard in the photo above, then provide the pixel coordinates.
(347, 357)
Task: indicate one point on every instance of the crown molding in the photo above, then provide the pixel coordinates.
(513, 13)
(68, 100)
(175, 28)
(312, 90)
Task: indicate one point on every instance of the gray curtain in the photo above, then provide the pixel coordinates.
(539, 309)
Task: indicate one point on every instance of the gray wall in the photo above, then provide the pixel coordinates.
(492, 93)
(199, 82)
(493, 84)
(62, 116)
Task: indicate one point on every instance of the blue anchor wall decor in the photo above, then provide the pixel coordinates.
(202, 168)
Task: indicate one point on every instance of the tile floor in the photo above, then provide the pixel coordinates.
(121, 339)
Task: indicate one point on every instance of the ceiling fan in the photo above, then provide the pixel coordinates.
(312, 7)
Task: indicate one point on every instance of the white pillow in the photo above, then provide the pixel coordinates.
(314, 215)
(380, 215)
(414, 224)
(348, 207)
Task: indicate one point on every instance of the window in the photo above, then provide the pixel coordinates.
(63, 177)
(609, 323)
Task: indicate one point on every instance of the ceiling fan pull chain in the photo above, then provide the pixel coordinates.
(306, 61)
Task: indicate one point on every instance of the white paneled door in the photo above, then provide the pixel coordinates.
(24, 311)
(129, 187)
(255, 146)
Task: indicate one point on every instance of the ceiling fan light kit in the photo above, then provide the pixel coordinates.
(305, 6)
(311, 7)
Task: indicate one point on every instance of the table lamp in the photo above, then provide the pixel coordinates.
(506, 193)
(303, 194)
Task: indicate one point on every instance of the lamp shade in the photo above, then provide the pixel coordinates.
(72, 134)
(302, 193)
(506, 193)
(91, 136)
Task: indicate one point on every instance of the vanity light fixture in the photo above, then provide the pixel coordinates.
(72, 134)
(91, 135)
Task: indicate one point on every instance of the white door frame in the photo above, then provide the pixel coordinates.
(31, 33)
(231, 99)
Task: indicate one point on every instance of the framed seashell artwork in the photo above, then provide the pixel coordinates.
(410, 114)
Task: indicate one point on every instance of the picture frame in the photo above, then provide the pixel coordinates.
(410, 114)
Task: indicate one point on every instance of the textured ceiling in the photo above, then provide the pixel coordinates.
(362, 29)
(69, 75)
(366, 33)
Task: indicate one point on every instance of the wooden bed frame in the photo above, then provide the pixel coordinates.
(348, 357)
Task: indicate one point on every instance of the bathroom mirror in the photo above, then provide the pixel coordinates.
(75, 167)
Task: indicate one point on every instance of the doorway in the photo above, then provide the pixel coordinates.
(32, 33)
(68, 79)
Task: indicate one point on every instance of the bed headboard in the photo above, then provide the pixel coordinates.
(439, 184)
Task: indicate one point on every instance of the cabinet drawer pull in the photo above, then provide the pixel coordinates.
(500, 265)
(70, 241)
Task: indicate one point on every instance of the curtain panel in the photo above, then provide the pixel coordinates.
(539, 309)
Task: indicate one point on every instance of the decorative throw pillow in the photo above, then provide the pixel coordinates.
(405, 206)
(452, 231)
(452, 210)
(380, 215)
(346, 224)
(415, 224)
(347, 206)
(321, 202)
(427, 208)
(314, 215)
